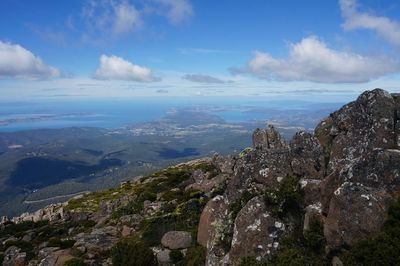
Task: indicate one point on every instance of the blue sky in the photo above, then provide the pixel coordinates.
(130, 48)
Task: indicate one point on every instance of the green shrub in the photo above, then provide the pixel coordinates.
(63, 244)
(175, 256)
(251, 261)
(314, 237)
(237, 205)
(184, 218)
(220, 189)
(288, 197)
(208, 168)
(75, 262)
(12, 229)
(132, 252)
(195, 256)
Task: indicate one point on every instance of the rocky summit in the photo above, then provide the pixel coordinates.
(328, 197)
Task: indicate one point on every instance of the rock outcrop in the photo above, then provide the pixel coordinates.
(337, 182)
(348, 171)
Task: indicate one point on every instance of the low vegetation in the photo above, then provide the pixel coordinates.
(132, 252)
(288, 197)
(75, 262)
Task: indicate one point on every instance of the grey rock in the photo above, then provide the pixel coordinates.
(163, 257)
(176, 240)
(252, 222)
(267, 138)
(14, 257)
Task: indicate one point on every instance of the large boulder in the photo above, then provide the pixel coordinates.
(355, 212)
(176, 240)
(256, 232)
(213, 224)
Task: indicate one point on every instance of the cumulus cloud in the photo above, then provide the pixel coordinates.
(312, 60)
(177, 11)
(383, 26)
(203, 79)
(18, 62)
(116, 68)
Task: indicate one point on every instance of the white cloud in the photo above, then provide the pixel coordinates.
(383, 26)
(112, 17)
(206, 79)
(177, 11)
(126, 19)
(18, 62)
(116, 68)
(312, 60)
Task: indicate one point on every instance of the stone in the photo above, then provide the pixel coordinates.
(163, 257)
(176, 240)
(355, 212)
(44, 252)
(14, 257)
(267, 138)
(57, 258)
(254, 221)
(224, 163)
(215, 209)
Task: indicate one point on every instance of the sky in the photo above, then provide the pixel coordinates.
(134, 48)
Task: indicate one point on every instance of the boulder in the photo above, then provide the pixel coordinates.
(176, 240)
(14, 257)
(214, 224)
(268, 138)
(252, 222)
(57, 258)
(355, 212)
(215, 209)
(163, 257)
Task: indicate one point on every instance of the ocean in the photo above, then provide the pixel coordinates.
(115, 113)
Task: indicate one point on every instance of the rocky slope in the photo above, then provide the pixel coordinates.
(328, 197)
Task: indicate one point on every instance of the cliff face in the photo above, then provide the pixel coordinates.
(319, 194)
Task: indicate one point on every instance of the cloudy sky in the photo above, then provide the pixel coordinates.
(130, 48)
